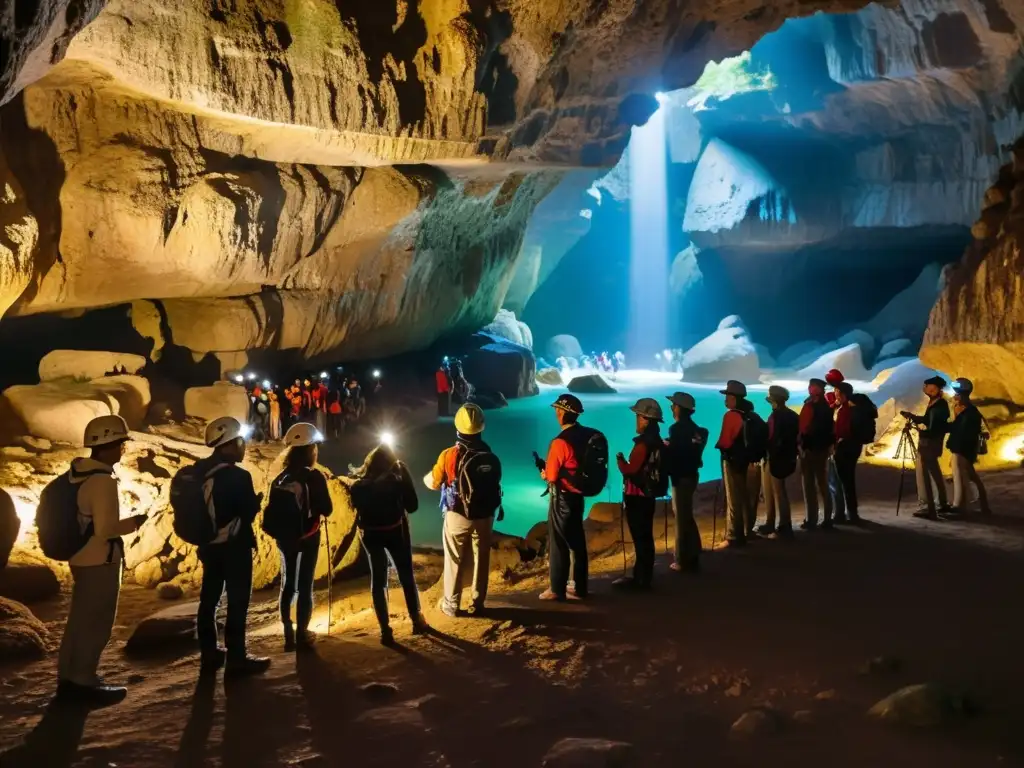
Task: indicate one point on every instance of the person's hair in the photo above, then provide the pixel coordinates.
(379, 461)
(299, 456)
(569, 417)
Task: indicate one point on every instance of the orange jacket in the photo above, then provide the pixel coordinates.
(732, 427)
(560, 457)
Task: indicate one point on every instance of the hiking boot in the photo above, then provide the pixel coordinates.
(765, 530)
(289, 638)
(839, 520)
(807, 525)
(926, 514)
(305, 641)
(246, 665)
(828, 525)
(784, 532)
(449, 610)
(855, 519)
(387, 637)
(572, 594)
(945, 509)
(210, 662)
(100, 695)
(419, 625)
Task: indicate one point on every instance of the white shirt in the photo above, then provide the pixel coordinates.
(99, 504)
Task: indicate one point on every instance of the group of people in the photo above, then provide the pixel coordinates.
(331, 404)
(451, 385)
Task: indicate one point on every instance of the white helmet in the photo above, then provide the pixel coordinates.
(104, 430)
(224, 430)
(302, 434)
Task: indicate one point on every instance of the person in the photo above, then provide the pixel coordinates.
(753, 470)
(932, 427)
(734, 463)
(465, 529)
(260, 417)
(354, 403)
(275, 417)
(335, 407)
(299, 558)
(686, 442)
(319, 400)
(816, 438)
(963, 442)
(96, 568)
(443, 384)
(847, 451)
(639, 499)
(783, 433)
(384, 497)
(227, 560)
(567, 540)
(835, 486)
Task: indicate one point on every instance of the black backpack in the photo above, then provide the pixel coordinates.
(862, 419)
(755, 437)
(60, 535)
(591, 449)
(195, 521)
(287, 517)
(653, 476)
(477, 483)
(378, 503)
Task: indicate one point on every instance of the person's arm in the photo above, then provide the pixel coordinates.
(410, 501)
(557, 454)
(319, 494)
(247, 501)
(637, 457)
(435, 477)
(732, 426)
(105, 509)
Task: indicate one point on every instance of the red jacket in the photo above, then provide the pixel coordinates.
(561, 457)
(443, 386)
(844, 423)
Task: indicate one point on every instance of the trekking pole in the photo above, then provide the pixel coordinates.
(330, 574)
(666, 509)
(622, 531)
(714, 512)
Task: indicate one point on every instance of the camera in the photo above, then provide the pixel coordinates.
(538, 461)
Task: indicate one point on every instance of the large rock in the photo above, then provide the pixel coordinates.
(167, 629)
(727, 353)
(895, 348)
(221, 399)
(848, 359)
(28, 579)
(563, 345)
(10, 525)
(863, 339)
(550, 376)
(499, 365)
(22, 635)
(924, 705)
(85, 365)
(588, 753)
(591, 384)
(506, 326)
(59, 410)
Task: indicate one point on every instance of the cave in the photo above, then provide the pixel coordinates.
(202, 202)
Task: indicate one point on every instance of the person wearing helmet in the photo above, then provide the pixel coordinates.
(965, 438)
(783, 434)
(298, 558)
(227, 560)
(685, 444)
(932, 427)
(96, 568)
(640, 476)
(817, 435)
(835, 485)
(443, 384)
(468, 510)
(735, 463)
(567, 540)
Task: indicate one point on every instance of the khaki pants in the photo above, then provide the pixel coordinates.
(753, 496)
(814, 475)
(964, 473)
(465, 539)
(735, 482)
(776, 500)
(931, 487)
(91, 617)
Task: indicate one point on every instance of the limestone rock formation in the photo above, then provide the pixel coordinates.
(22, 635)
(591, 384)
(563, 345)
(728, 353)
(500, 366)
(848, 359)
(221, 399)
(10, 525)
(85, 365)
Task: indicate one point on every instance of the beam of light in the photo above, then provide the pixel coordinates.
(388, 439)
(25, 509)
(648, 225)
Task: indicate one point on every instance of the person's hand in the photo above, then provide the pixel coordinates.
(620, 456)
(139, 520)
(906, 414)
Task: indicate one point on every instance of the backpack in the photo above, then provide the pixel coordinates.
(195, 521)
(653, 477)
(60, 535)
(862, 419)
(378, 503)
(983, 436)
(478, 484)
(287, 517)
(688, 458)
(591, 449)
(755, 437)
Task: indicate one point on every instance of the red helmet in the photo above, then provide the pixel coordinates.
(834, 376)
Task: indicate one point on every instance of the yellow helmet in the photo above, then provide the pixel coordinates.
(469, 420)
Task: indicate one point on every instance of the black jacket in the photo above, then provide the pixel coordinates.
(964, 433)
(382, 503)
(233, 497)
(686, 442)
(935, 420)
(783, 436)
(320, 504)
(821, 433)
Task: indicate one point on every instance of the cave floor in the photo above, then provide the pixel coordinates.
(785, 625)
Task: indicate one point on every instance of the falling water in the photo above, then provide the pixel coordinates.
(648, 262)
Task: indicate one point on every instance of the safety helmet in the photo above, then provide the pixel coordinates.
(963, 386)
(649, 408)
(683, 400)
(224, 430)
(834, 376)
(302, 434)
(570, 403)
(469, 420)
(105, 430)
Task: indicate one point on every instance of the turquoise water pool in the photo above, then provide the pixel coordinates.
(529, 425)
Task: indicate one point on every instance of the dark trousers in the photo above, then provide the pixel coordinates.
(846, 455)
(565, 537)
(640, 519)
(688, 544)
(396, 545)
(225, 567)
(335, 425)
(444, 403)
(298, 567)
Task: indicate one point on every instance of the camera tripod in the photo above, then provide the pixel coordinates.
(906, 448)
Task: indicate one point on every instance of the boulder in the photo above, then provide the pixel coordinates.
(506, 326)
(848, 359)
(170, 628)
(924, 705)
(755, 722)
(797, 351)
(732, 321)
(59, 410)
(221, 399)
(22, 635)
(169, 591)
(862, 338)
(10, 525)
(902, 391)
(498, 365)
(489, 401)
(550, 376)
(587, 753)
(605, 512)
(84, 365)
(895, 348)
(28, 579)
(563, 345)
(727, 353)
(591, 384)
